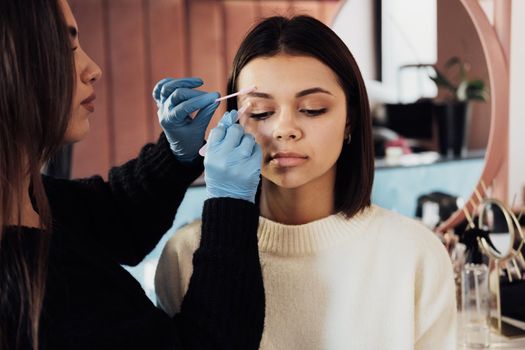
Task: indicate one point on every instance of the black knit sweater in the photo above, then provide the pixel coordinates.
(91, 302)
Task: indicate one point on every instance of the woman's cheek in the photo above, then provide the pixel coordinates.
(258, 129)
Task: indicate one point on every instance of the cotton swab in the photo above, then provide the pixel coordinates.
(240, 92)
(243, 109)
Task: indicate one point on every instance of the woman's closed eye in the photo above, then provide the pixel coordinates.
(313, 112)
(305, 111)
(261, 115)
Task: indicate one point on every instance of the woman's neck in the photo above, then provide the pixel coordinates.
(29, 217)
(301, 205)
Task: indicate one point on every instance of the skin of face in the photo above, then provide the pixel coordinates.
(298, 117)
(87, 73)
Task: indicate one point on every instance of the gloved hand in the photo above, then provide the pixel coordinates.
(176, 101)
(232, 165)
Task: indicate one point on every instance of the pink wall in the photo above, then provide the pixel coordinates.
(458, 37)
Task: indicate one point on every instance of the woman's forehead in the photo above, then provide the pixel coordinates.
(286, 72)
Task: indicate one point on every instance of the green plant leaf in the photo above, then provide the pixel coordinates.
(476, 90)
(465, 89)
(477, 84)
(479, 95)
(441, 81)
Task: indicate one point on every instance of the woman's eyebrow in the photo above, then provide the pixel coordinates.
(312, 91)
(259, 94)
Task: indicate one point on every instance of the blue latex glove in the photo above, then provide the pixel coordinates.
(176, 100)
(232, 165)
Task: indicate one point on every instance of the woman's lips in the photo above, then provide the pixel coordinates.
(287, 159)
(89, 103)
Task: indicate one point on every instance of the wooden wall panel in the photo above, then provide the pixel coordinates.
(168, 45)
(138, 42)
(207, 44)
(207, 48)
(305, 7)
(92, 155)
(130, 117)
(329, 10)
(240, 16)
(275, 8)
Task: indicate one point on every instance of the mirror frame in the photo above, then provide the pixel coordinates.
(497, 151)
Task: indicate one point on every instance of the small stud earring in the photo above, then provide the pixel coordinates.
(348, 139)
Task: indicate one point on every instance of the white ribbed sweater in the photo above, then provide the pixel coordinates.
(377, 281)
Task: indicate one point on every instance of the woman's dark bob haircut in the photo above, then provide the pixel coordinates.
(306, 36)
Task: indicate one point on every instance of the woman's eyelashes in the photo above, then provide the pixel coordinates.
(313, 112)
(261, 115)
(305, 111)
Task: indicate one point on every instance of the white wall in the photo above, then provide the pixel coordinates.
(355, 26)
(517, 103)
(409, 30)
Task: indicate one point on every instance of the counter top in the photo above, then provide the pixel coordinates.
(424, 159)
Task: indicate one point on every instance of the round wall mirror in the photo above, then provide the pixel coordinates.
(394, 41)
(204, 26)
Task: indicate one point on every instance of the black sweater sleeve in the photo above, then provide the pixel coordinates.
(92, 303)
(224, 305)
(129, 213)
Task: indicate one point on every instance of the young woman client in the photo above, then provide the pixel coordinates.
(339, 273)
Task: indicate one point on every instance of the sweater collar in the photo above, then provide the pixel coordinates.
(310, 238)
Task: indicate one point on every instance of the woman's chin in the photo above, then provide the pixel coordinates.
(77, 133)
(287, 182)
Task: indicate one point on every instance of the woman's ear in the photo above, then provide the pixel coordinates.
(348, 130)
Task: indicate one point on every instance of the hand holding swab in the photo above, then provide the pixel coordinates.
(243, 109)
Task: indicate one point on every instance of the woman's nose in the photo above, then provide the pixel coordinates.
(286, 128)
(91, 72)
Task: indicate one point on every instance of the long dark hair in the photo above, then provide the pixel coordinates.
(36, 90)
(306, 36)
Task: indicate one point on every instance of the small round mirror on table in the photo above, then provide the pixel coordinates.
(502, 246)
(494, 218)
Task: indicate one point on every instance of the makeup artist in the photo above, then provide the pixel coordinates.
(62, 242)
